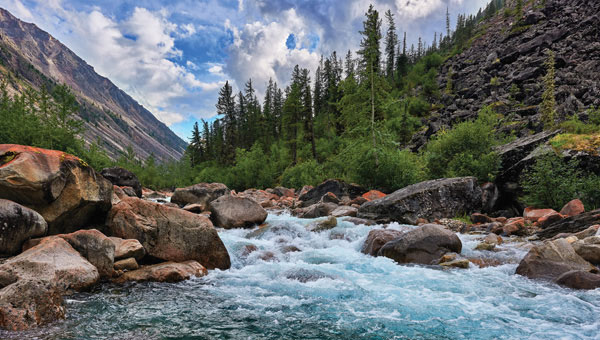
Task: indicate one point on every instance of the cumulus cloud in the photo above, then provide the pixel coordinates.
(259, 51)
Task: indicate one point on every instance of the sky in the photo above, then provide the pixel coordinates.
(173, 56)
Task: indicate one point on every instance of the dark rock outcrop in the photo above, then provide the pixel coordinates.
(62, 188)
(123, 178)
(17, 225)
(231, 212)
(202, 193)
(424, 245)
(169, 234)
(571, 225)
(339, 188)
(429, 200)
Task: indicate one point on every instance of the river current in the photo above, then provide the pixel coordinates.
(289, 283)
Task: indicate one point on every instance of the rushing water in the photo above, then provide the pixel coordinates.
(329, 290)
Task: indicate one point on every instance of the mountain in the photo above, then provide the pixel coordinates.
(30, 56)
(505, 63)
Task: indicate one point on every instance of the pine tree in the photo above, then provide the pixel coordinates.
(371, 59)
(196, 148)
(349, 65)
(391, 41)
(548, 105)
(226, 108)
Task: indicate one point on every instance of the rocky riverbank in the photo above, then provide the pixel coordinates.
(67, 228)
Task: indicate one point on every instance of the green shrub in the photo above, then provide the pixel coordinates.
(253, 169)
(576, 126)
(465, 150)
(306, 173)
(552, 182)
(397, 168)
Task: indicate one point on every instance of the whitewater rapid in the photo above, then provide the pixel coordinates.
(289, 283)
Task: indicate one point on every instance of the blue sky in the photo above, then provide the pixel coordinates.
(174, 55)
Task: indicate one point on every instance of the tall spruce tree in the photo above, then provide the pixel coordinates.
(391, 42)
(371, 58)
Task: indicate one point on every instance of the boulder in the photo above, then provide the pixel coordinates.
(27, 304)
(62, 188)
(165, 272)
(573, 208)
(338, 188)
(17, 225)
(373, 195)
(429, 200)
(167, 233)
(123, 178)
(91, 244)
(127, 264)
(127, 248)
(344, 211)
(533, 215)
(319, 226)
(550, 260)
(263, 198)
(588, 249)
(378, 238)
(549, 219)
(202, 193)
(579, 279)
(316, 210)
(423, 245)
(232, 212)
(53, 260)
(572, 224)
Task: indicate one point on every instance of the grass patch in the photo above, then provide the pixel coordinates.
(589, 143)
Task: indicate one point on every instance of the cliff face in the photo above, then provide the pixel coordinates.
(504, 66)
(32, 57)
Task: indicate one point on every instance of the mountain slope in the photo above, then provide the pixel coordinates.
(32, 57)
(504, 67)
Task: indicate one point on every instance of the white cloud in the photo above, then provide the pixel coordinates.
(259, 51)
(18, 9)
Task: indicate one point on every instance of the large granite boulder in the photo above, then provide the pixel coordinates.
(429, 200)
(167, 233)
(339, 188)
(378, 238)
(165, 272)
(202, 193)
(98, 249)
(232, 212)
(62, 188)
(34, 281)
(550, 260)
(17, 225)
(423, 245)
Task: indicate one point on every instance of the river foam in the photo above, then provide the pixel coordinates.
(289, 283)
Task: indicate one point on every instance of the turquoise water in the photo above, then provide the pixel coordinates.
(329, 290)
